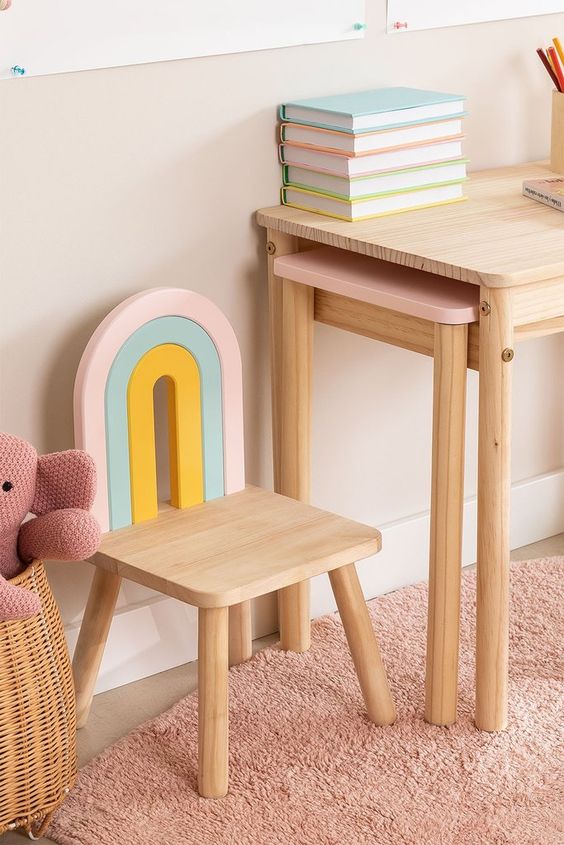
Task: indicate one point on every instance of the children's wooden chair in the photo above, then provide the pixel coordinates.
(405, 303)
(221, 544)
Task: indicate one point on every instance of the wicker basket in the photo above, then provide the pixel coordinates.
(37, 713)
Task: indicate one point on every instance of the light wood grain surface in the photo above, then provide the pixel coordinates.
(291, 346)
(498, 237)
(213, 702)
(494, 490)
(234, 548)
(240, 633)
(447, 503)
(557, 133)
(363, 645)
(92, 639)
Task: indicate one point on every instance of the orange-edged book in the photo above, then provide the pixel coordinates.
(331, 140)
(342, 164)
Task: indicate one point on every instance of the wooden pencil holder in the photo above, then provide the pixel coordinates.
(557, 134)
(37, 713)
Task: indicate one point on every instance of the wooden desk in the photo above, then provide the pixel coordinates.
(514, 249)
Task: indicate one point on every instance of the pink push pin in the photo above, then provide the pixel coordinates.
(400, 25)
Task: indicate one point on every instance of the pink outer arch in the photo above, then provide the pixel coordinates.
(98, 357)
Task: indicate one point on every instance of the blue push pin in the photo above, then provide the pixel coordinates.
(359, 26)
(18, 71)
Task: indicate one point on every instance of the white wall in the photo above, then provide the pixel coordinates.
(117, 180)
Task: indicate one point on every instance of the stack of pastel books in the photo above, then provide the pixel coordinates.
(370, 153)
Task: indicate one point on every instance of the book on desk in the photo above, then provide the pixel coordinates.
(548, 191)
(360, 155)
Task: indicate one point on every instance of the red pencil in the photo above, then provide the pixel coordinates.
(546, 63)
(556, 66)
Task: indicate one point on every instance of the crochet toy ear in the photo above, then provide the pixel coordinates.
(64, 480)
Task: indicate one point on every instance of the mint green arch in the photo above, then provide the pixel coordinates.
(192, 337)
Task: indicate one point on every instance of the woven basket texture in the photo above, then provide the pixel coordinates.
(37, 713)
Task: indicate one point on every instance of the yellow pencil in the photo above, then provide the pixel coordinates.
(559, 50)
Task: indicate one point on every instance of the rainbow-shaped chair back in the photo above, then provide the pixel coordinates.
(183, 337)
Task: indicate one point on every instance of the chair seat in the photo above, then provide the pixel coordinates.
(402, 289)
(234, 548)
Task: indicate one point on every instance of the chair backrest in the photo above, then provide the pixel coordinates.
(182, 336)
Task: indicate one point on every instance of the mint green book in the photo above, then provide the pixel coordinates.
(367, 111)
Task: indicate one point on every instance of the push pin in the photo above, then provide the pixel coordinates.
(18, 71)
(400, 25)
(359, 26)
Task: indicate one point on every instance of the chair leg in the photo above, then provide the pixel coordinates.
(363, 645)
(447, 504)
(213, 724)
(240, 633)
(293, 617)
(92, 639)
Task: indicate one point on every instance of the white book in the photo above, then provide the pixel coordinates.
(329, 139)
(381, 183)
(375, 207)
(342, 165)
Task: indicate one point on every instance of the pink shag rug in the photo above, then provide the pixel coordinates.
(307, 768)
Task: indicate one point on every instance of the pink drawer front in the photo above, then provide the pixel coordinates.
(382, 283)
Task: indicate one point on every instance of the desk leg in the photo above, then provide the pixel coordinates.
(494, 479)
(447, 503)
(291, 331)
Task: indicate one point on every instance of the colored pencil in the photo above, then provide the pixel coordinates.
(556, 66)
(559, 50)
(546, 63)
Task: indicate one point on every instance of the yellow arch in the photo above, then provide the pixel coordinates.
(184, 430)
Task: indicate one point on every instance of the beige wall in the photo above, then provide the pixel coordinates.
(117, 180)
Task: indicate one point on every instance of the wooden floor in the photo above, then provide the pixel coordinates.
(118, 711)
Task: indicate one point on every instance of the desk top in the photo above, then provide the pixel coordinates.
(497, 237)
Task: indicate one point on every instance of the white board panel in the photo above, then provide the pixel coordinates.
(405, 15)
(57, 36)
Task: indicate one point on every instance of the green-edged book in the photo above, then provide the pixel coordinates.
(374, 206)
(344, 188)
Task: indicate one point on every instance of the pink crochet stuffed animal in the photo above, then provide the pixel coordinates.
(57, 488)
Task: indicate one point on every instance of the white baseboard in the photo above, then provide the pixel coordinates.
(161, 633)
